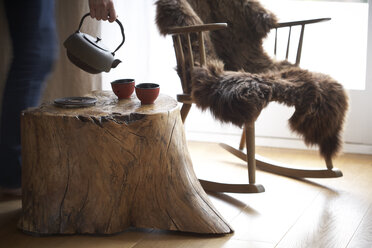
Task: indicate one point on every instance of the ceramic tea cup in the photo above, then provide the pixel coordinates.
(123, 88)
(147, 92)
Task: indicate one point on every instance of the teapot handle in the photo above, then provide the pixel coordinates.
(118, 22)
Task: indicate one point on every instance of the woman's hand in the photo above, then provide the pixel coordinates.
(102, 10)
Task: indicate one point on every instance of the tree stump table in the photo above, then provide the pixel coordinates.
(102, 169)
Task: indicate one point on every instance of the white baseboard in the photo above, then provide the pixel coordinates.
(234, 139)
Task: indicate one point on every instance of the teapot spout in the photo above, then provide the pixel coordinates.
(115, 63)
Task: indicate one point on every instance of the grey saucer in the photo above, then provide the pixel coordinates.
(75, 102)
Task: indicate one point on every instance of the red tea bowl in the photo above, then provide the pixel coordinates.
(123, 88)
(147, 92)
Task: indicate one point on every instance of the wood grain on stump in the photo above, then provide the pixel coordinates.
(102, 169)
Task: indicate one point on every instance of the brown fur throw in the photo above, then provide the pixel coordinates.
(238, 97)
(237, 89)
(239, 46)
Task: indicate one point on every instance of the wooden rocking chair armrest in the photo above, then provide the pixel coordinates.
(197, 28)
(185, 98)
(302, 22)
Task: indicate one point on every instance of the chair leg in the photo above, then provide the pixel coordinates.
(225, 187)
(329, 163)
(185, 109)
(251, 187)
(242, 139)
(251, 151)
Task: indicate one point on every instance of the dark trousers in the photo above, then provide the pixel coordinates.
(33, 35)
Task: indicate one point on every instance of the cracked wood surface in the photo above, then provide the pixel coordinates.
(102, 169)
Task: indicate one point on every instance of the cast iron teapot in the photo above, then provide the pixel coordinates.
(88, 53)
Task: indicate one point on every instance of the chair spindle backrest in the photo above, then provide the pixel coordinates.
(185, 54)
(301, 37)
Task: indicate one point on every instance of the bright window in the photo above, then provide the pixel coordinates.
(337, 47)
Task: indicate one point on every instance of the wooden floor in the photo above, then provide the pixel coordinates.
(291, 213)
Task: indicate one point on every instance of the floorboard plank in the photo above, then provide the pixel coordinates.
(10, 236)
(330, 221)
(165, 239)
(363, 236)
(291, 213)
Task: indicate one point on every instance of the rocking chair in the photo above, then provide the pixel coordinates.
(190, 51)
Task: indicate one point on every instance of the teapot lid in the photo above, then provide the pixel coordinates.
(95, 42)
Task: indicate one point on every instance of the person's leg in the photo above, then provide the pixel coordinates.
(33, 35)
